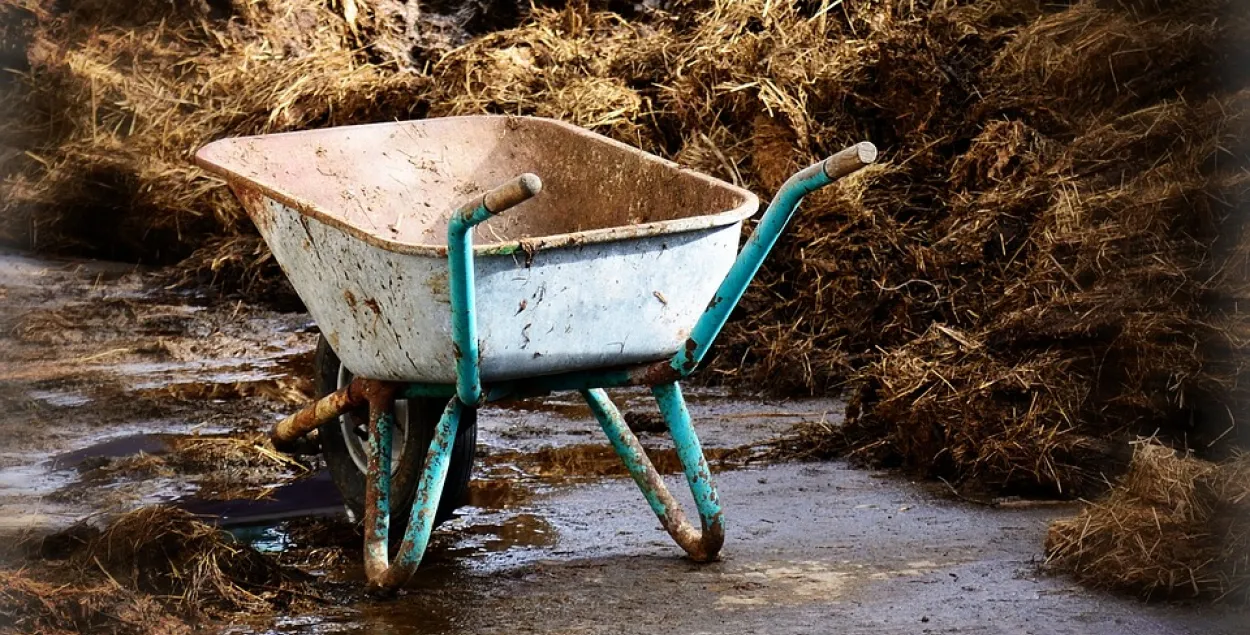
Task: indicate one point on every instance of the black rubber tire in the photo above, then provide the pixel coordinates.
(423, 416)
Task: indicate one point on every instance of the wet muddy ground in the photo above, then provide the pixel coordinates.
(119, 393)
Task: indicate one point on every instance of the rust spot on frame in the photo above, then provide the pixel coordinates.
(690, 363)
(253, 202)
(530, 248)
(657, 373)
(437, 284)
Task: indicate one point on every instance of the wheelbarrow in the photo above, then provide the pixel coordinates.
(444, 274)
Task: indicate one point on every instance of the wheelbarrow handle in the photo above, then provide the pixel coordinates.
(460, 272)
(849, 160)
(761, 242)
(512, 193)
(496, 201)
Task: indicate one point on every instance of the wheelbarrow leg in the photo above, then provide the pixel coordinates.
(381, 570)
(702, 546)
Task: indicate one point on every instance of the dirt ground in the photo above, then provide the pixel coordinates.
(101, 369)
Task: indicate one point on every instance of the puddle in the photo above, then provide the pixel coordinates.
(567, 408)
(21, 481)
(115, 448)
(60, 399)
(722, 421)
(313, 496)
(143, 468)
(19, 270)
(520, 531)
(264, 538)
(499, 493)
(634, 400)
(158, 375)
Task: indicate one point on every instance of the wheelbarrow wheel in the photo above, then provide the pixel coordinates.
(343, 447)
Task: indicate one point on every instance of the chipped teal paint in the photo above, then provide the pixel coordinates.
(501, 250)
(701, 546)
(690, 452)
(626, 446)
(748, 263)
(429, 491)
(380, 465)
(463, 320)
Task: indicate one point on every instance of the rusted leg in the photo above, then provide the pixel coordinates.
(694, 465)
(382, 571)
(378, 481)
(702, 546)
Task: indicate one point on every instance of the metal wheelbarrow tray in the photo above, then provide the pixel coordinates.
(622, 271)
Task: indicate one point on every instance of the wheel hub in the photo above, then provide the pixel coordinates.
(356, 431)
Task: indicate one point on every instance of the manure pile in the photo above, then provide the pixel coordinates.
(119, 95)
(1047, 263)
(1174, 527)
(152, 570)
